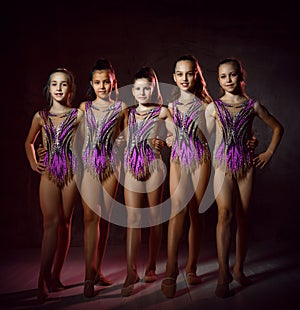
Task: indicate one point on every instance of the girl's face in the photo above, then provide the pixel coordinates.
(228, 77)
(103, 83)
(142, 90)
(59, 87)
(185, 75)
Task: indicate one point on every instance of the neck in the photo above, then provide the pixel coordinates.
(103, 102)
(233, 98)
(186, 97)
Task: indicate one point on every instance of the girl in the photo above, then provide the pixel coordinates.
(144, 172)
(189, 168)
(56, 165)
(104, 118)
(233, 113)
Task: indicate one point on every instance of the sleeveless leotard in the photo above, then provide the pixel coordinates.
(60, 161)
(231, 151)
(98, 155)
(140, 156)
(190, 147)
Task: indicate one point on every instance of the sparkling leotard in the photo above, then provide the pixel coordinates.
(231, 151)
(190, 147)
(98, 155)
(140, 156)
(60, 161)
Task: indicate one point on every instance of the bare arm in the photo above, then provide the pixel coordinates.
(210, 120)
(29, 144)
(263, 158)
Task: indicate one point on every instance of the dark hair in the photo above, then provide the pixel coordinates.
(240, 71)
(101, 64)
(149, 74)
(200, 90)
(71, 80)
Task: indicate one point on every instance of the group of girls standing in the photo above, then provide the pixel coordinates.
(103, 125)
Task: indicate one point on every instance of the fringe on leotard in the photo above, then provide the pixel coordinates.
(60, 161)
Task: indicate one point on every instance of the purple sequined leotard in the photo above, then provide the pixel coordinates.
(59, 159)
(231, 152)
(98, 155)
(140, 156)
(190, 147)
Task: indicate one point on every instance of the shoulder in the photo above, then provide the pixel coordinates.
(164, 111)
(210, 108)
(82, 105)
(124, 106)
(80, 113)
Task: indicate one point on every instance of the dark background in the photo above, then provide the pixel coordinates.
(39, 36)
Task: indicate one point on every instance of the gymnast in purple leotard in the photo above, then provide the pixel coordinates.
(144, 173)
(56, 165)
(104, 119)
(189, 168)
(232, 115)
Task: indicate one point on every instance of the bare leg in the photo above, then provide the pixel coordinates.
(200, 181)
(69, 194)
(155, 237)
(49, 203)
(223, 230)
(225, 216)
(242, 212)
(175, 227)
(134, 202)
(110, 187)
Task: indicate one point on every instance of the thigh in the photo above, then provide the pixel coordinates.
(50, 197)
(181, 186)
(224, 190)
(108, 193)
(244, 190)
(200, 179)
(69, 194)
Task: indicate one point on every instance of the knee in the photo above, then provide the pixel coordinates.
(51, 223)
(225, 216)
(91, 218)
(134, 218)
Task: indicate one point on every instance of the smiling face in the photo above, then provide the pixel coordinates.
(142, 90)
(59, 87)
(103, 83)
(229, 77)
(185, 75)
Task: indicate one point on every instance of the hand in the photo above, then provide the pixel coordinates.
(158, 144)
(262, 159)
(41, 151)
(170, 141)
(252, 144)
(40, 167)
(119, 141)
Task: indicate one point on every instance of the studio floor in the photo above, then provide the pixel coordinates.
(272, 265)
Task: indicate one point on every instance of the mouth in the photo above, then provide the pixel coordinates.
(185, 84)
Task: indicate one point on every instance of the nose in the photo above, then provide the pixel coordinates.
(185, 77)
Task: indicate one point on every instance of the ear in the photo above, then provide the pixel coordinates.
(114, 83)
(174, 77)
(91, 82)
